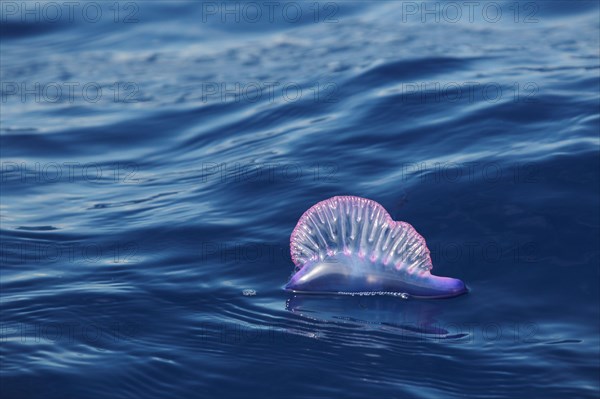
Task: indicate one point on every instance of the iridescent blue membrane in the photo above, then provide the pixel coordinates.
(350, 245)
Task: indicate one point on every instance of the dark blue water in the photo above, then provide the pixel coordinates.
(157, 155)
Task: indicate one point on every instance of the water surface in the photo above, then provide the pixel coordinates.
(138, 207)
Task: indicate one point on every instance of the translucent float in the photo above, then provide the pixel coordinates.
(350, 245)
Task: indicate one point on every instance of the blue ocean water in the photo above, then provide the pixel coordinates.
(157, 155)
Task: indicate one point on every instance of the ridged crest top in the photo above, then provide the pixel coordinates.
(356, 226)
